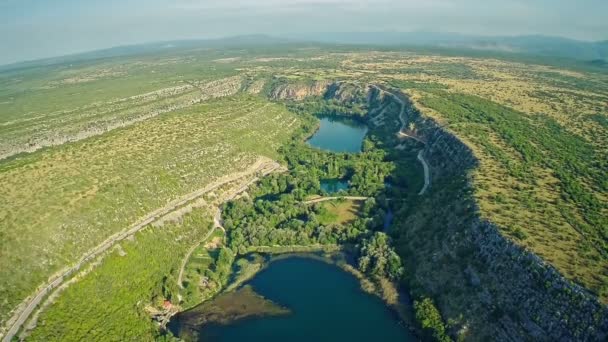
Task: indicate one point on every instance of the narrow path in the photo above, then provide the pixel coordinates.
(217, 219)
(262, 165)
(187, 257)
(427, 176)
(331, 198)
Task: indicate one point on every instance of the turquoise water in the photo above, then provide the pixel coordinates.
(339, 135)
(333, 185)
(327, 304)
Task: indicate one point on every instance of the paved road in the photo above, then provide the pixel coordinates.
(427, 176)
(425, 166)
(19, 318)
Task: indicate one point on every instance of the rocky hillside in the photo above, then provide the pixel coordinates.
(486, 286)
(297, 91)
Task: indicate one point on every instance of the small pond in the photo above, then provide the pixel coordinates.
(333, 185)
(339, 135)
(325, 304)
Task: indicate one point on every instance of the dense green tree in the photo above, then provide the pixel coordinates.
(430, 319)
(377, 257)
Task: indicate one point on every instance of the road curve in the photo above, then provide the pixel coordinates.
(401, 133)
(427, 176)
(19, 318)
(401, 112)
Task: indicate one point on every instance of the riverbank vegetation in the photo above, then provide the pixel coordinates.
(430, 320)
(377, 258)
(227, 307)
(274, 214)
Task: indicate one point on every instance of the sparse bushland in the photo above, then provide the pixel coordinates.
(48, 107)
(477, 275)
(543, 185)
(539, 135)
(60, 202)
(114, 300)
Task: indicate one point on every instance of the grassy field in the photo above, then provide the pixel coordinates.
(339, 212)
(59, 202)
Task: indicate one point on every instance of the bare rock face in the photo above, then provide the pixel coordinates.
(298, 91)
(532, 296)
(346, 92)
(341, 91)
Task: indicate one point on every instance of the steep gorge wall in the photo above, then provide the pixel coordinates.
(511, 294)
(298, 91)
(486, 286)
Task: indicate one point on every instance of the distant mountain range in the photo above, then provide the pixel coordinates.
(594, 53)
(531, 45)
(151, 48)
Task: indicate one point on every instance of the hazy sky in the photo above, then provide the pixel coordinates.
(31, 29)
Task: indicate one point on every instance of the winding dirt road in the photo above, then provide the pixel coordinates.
(262, 165)
(401, 133)
(189, 254)
(217, 217)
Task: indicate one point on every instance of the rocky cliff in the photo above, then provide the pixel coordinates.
(486, 286)
(298, 91)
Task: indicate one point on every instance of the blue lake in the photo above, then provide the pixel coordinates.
(327, 304)
(339, 135)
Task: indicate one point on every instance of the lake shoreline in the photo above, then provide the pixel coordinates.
(338, 134)
(341, 259)
(341, 256)
(394, 299)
